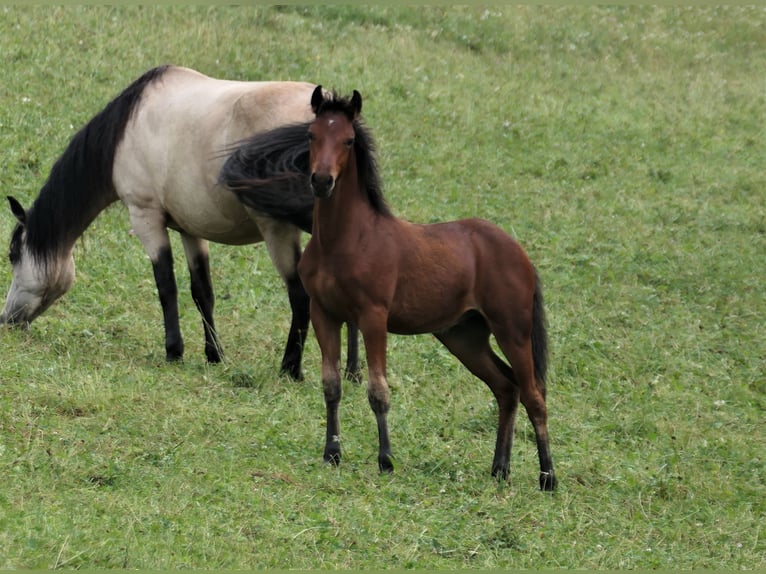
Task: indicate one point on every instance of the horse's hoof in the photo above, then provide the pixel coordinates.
(385, 464)
(213, 357)
(333, 459)
(548, 481)
(353, 375)
(292, 371)
(500, 472)
(173, 358)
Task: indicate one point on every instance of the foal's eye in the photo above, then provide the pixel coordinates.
(310, 136)
(349, 142)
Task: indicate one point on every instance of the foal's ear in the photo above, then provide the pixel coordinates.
(356, 104)
(317, 98)
(18, 211)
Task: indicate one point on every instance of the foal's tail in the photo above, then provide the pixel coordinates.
(269, 173)
(539, 336)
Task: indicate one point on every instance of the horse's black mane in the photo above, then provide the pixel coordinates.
(269, 171)
(80, 185)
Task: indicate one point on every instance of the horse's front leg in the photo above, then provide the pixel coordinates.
(374, 332)
(149, 226)
(328, 335)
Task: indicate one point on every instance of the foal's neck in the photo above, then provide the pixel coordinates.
(346, 215)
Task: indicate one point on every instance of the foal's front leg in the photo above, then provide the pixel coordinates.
(375, 334)
(328, 335)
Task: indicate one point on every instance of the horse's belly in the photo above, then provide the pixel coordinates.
(212, 221)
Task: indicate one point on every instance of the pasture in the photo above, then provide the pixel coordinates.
(623, 148)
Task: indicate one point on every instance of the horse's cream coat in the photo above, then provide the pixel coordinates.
(165, 170)
(166, 167)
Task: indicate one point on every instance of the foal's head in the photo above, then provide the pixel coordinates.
(331, 138)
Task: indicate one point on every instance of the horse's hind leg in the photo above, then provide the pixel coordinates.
(353, 372)
(299, 325)
(283, 244)
(198, 260)
(469, 342)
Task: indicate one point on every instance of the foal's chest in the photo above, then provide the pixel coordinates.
(329, 284)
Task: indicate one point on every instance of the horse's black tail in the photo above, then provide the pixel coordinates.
(269, 173)
(539, 336)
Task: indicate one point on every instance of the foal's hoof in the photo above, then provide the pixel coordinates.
(548, 481)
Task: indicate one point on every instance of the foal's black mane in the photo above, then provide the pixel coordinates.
(365, 150)
(80, 185)
(269, 171)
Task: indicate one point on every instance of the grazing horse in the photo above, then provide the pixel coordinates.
(159, 147)
(462, 281)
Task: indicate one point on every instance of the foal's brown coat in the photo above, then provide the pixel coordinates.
(461, 280)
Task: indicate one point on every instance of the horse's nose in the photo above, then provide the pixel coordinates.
(14, 322)
(322, 184)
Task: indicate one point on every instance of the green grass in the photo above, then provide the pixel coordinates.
(623, 147)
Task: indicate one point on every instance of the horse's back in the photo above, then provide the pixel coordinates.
(177, 140)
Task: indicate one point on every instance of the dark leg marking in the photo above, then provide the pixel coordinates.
(204, 299)
(168, 293)
(299, 304)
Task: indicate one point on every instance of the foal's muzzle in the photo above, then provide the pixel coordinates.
(322, 185)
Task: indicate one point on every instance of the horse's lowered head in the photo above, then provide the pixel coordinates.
(38, 278)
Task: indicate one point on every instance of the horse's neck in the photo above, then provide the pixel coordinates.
(59, 224)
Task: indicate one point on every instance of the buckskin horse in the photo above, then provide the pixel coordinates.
(159, 147)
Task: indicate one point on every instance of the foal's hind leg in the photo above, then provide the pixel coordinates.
(198, 260)
(519, 353)
(469, 342)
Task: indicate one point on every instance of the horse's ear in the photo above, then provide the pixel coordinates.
(317, 98)
(356, 104)
(18, 211)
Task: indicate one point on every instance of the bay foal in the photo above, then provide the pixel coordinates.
(461, 281)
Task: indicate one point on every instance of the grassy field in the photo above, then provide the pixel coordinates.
(623, 147)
